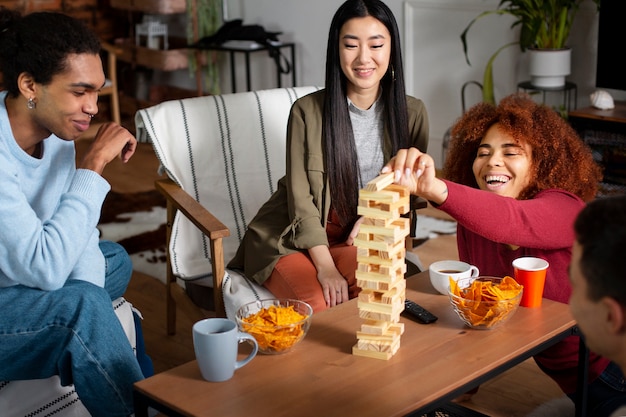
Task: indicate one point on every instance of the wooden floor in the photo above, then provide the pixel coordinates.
(515, 393)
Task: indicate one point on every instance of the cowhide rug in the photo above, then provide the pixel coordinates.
(137, 222)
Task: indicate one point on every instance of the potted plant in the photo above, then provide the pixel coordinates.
(544, 26)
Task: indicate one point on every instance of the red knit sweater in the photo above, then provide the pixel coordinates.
(542, 227)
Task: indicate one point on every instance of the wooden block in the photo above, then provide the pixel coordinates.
(390, 310)
(379, 303)
(383, 196)
(380, 257)
(390, 247)
(392, 333)
(372, 315)
(393, 271)
(374, 237)
(385, 211)
(374, 285)
(395, 294)
(379, 278)
(396, 230)
(375, 327)
(397, 327)
(367, 295)
(376, 345)
(380, 182)
(371, 354)
(403, 191)
(396, 261)
(368, 268)
(372, 350)
(375, 212)
(383, 339)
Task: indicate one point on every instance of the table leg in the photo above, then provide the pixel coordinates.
(141, 405)
(293, 65)
(278, 73)
(583, 371)
(248, 83)
(233, 79)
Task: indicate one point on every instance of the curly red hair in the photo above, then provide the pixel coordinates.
(560, 159)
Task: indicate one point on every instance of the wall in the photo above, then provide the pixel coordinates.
(435, 67)
(434, 61)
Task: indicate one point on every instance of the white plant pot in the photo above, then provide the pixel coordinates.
(549, 67)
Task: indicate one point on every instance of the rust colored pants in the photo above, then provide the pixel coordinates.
(295, 276)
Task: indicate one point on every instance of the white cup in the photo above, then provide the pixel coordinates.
(441, 271)
(216, 344)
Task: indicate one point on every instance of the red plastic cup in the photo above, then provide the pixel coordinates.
(531, 273)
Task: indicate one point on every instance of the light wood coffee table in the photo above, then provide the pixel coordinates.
(321, 377)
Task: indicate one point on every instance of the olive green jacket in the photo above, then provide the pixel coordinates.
(294, 218)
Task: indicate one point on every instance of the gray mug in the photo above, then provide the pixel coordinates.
(216, 344)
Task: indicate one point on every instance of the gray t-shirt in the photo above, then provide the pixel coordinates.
(367, 126)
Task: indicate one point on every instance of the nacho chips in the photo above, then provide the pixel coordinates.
(275, 328)
(485, 302)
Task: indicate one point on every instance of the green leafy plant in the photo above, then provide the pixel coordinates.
(204, 18)
(544, 24)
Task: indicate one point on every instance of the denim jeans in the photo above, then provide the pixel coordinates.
(607, 393)
(119, 269)
(74, 333)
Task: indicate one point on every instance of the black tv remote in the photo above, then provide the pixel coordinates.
(418, 313)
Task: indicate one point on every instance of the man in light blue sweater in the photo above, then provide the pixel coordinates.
(57, 279)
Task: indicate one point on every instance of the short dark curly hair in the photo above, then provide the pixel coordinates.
(601, 232)
(39, 44)
(560, 159)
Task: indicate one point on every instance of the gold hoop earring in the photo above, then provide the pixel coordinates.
(31, 104)
(393, 74)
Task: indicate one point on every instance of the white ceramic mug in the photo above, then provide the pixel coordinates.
(216, 344)
(441, 271)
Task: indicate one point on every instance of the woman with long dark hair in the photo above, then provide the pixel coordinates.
(300, 243)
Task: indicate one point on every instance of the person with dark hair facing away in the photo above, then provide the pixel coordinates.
(516, 177)
(299, 245)
(598, 299)
(57, 279)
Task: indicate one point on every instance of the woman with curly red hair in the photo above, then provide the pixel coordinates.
(516, 177)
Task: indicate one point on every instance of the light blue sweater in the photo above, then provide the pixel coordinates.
(48, 214)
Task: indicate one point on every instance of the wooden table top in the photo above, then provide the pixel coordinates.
(321, 377)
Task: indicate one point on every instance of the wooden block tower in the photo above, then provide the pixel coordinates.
(380, 266)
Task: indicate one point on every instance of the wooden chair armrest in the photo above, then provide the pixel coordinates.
(202, 218)
(179, 200)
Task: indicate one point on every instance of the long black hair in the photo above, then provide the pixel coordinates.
(39, 44)
(342, 162)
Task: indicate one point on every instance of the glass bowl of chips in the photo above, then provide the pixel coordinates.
(485, 302)
(277, 324)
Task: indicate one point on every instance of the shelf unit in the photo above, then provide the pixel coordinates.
(173, 59)
(605, 133)
(151, 6)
